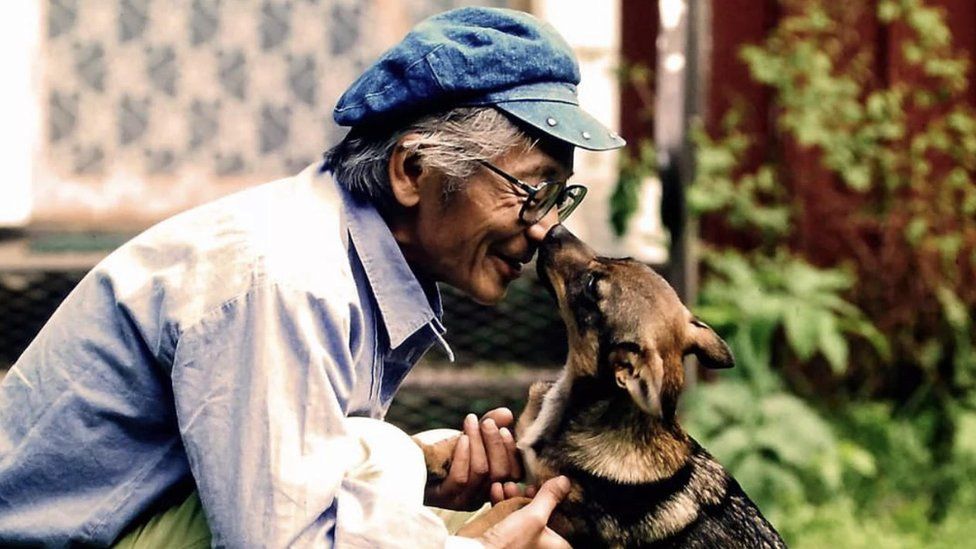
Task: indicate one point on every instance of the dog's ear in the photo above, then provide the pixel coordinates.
(705, 344)
(642, 375)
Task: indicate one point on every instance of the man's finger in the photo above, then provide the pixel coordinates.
(498, 461)
(527, 526)
(479, 460)
(497, 493)
(514, 466)
(460, 463)
(503, 417)
(511, 490)
(550, 494)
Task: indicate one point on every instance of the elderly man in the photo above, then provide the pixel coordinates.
(237, 348)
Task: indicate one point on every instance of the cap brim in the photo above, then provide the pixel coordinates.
(564, 121)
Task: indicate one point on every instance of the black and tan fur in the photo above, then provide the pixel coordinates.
(608, 423)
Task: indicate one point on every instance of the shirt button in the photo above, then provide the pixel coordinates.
(586, 135)
(551, 121)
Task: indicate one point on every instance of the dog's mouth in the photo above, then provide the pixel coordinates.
(540, 268)
(514, 263)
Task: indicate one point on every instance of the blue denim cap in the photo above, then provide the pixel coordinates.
(478, 57)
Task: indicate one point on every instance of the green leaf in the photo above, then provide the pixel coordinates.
(915, 230)
(913, 53)
(857, 459)
(731, 444)
(930, 353)
(802, 330)
(625, 199)
(832, 344)
(766, 481)
(859, 326)
(888, 11)
(953, 308)
(858, 177)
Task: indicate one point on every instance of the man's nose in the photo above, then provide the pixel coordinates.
(538, 230)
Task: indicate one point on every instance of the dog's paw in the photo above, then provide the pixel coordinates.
(482, 523)
(437, 456)
(539, 389)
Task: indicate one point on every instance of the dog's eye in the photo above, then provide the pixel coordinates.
(590, 289)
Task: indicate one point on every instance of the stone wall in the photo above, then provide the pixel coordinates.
(151, 106)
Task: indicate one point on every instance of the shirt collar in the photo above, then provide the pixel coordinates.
(406, 304)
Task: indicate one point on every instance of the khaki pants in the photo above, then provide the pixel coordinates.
(390, 461)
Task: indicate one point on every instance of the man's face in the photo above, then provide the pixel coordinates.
(474, 239)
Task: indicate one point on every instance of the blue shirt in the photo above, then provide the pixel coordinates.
(224, 345)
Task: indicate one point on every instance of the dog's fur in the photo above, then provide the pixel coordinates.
(608, 423)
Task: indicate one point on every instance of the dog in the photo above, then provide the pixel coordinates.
(638, 480)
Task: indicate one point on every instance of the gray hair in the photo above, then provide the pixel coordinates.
(452, 142)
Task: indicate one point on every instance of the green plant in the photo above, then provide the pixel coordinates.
(912, 149)
(634, 171)
(750, 201)
(751, 297)
(852, 257)
(635, 167)
(909, 149)
(780, 448)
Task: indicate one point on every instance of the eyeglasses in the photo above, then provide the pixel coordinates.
(540, 199)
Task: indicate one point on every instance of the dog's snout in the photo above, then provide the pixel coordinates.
(549, 246)
(562, 254)
(560, 240)
(556, 235)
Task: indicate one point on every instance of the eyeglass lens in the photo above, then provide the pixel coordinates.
(565, 199)
(569, 199)
(541, 202)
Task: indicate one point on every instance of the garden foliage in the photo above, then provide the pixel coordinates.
(847, 288)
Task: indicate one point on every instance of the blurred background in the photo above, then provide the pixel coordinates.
(802, 171)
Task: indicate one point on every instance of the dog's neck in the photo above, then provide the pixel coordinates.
(609, 436)
(605, 434)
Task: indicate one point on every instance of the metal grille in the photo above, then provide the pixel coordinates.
(436, 398)
(27, 300)
(524, 329)
(499, 350)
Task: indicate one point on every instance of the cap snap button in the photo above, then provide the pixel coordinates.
(586, 135)
(551, 121)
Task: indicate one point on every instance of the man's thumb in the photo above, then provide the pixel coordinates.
(550, 494)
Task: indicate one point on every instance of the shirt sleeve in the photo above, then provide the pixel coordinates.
(260, 385)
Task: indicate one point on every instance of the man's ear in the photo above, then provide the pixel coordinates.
(705, 344)
(405, 171)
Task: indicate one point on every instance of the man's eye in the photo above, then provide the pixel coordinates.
(548, 191)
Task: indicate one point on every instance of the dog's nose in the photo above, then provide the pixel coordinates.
(562, 246)
(557, 236)
(561, 252)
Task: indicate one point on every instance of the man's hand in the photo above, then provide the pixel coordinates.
(484, 458)
(527, 527)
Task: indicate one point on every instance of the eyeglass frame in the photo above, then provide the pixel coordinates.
(532, 190)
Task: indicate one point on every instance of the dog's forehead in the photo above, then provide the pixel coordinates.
(631, 278)
(640, 302)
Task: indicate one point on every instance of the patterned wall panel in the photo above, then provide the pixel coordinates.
(151, 106)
